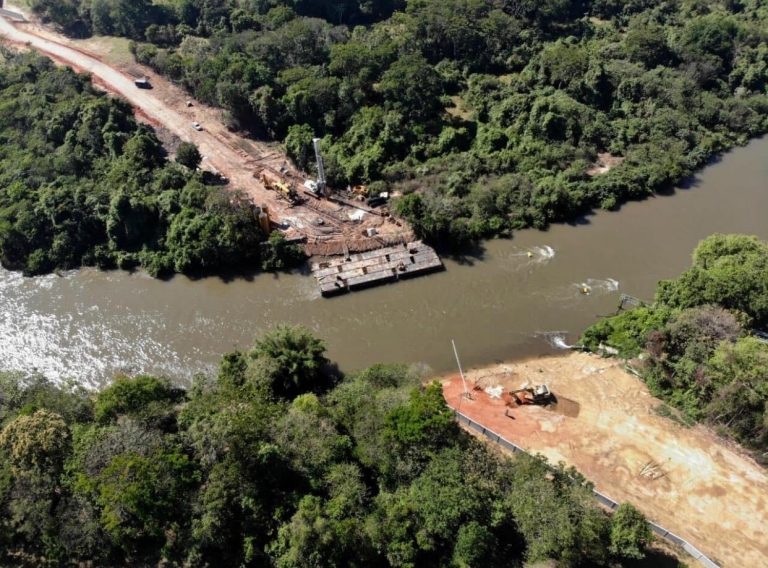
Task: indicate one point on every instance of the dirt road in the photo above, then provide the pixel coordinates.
(237, 158)
(606, 424)
(223, 157)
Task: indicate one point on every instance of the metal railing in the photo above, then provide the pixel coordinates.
(603, 499)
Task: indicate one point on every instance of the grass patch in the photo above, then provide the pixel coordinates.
(458, 110)
(113, 50)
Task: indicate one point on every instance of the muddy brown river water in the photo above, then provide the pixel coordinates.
(506, 303)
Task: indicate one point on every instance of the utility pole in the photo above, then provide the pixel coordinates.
(461, 372)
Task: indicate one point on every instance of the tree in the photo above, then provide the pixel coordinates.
(309, 439)
(99, 190)
(64, 13)
(630, 533)
(133, 396)
(188, 155)
(298, 146)
(141, 496)
(425, 421)
(128, 18)
(413, 432)
(311, 539)
(279, 254)
(729, 270)
(37, 442)
(711, 35)
(412, 87)
(299, 358)
(546, 512)
(373, 473)
(474, 545)
(647, 44)
(738, 375)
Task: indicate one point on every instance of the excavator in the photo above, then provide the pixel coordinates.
(282, 188)
(538, 394)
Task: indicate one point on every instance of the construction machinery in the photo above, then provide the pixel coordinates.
(285, 190)
(320, 184)
(538, 394)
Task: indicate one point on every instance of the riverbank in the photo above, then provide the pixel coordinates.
(608, 426)
(495, 304)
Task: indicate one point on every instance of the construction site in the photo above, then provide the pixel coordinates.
(327, 222)
(592, 414)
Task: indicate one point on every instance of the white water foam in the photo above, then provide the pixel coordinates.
(598, 286)
(555, 338)
(532, 257)
(546, 252)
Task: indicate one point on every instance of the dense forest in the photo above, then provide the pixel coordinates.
(698, 342)
(281, 461)
(488, 115)
(82, 183)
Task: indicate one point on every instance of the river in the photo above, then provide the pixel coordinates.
(505, 303)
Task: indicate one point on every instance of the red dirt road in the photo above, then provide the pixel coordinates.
(686, 479)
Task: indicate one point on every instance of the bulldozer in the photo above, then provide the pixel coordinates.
(285, 190)
(538, 394)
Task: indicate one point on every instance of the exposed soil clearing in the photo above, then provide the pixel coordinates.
(688, 480)
(237, 158)
(604, 164)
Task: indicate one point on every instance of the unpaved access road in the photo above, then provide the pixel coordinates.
(607, 425)
(238, 158)
(224, 158)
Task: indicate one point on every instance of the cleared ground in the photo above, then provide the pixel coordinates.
(330, 228)
(606, 425)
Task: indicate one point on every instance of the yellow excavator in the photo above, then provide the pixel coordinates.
(538, 394)
(285, 190)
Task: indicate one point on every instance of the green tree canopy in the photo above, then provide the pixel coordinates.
(728, 270)
(133, 396)
(188, 155)
(37, 441)
(630, 533)
(299, 358)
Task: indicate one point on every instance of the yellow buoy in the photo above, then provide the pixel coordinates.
(530, 254)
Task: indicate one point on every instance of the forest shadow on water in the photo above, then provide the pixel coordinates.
(464, 255)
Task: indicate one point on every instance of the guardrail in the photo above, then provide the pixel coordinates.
(13, 16)
(603, 499)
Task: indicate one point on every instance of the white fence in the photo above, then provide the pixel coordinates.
(603, 499)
